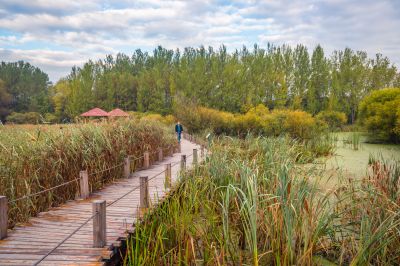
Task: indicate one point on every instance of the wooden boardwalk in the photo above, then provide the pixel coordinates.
(27, 244)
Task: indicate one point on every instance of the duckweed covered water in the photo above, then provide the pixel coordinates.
(354, 163)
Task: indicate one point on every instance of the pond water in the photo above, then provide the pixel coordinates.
(354, 163)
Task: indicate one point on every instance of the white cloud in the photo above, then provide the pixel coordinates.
(69, 32)
(53, 63)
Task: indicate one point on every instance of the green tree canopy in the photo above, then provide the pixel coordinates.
(28, 87)
(379, 112)
(275, 76)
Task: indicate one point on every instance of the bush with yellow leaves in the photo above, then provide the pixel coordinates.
(257, 120)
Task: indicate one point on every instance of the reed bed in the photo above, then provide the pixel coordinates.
(354, 140)
(251, 203)
(35, 158)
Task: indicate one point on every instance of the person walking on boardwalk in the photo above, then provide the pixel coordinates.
(178, 130)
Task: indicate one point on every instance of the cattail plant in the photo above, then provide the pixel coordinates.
(252, 203)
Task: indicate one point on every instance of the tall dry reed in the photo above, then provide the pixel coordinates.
(34, 158)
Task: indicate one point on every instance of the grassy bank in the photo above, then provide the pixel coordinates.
(34, 158)
(252, 204)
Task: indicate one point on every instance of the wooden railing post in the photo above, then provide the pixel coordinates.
(195, 157)
(183, 162)
(3, 217)
(160, 154)
(127, 167)
(168, 174)
(84, 184)
(144, 192)
(146, 160)
(99, 223)
(179, 147)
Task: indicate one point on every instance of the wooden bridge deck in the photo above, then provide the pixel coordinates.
(27, 244)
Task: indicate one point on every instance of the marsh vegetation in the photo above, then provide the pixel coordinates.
(253, 203)
(35, 158)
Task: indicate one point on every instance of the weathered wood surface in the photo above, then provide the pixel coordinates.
(3, 217)
(28, 243)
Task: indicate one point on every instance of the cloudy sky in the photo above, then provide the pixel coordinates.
(58, 34)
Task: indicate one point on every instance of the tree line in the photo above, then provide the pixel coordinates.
(23, 88)
(275, 76)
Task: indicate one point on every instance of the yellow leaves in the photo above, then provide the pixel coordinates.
(257, 120)
(167, 120)
(333, 119)
(397, 128)
(379, 112)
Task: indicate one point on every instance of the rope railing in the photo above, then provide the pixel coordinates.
(94, 215)
(76, 179)
(83, 178)
(135, 158)
(136, 187)
(65, 239)
(43, 191)
(91, 174)
(106, 170)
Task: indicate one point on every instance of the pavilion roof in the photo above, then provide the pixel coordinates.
(95, 112)
(117, 112)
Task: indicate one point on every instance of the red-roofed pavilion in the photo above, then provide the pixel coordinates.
(118, 113)
(95, 112)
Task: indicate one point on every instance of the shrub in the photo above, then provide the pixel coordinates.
(196, 118)
(137, 115)
(379, 113)
(221, 122)
(397, 128)
(257, 120)
(298, 124)
(254, 120)
(169, 119)
(24, 118)
(335, 120)
(50, 118)
(154, 117)
(166, 120)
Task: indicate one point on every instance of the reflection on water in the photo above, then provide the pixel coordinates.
(355, 162)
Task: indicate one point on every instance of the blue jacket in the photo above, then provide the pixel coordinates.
(178, 128)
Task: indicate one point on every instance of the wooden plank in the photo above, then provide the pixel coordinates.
(105, 254)
(43, 233)
(54, 262)
(74, 257)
